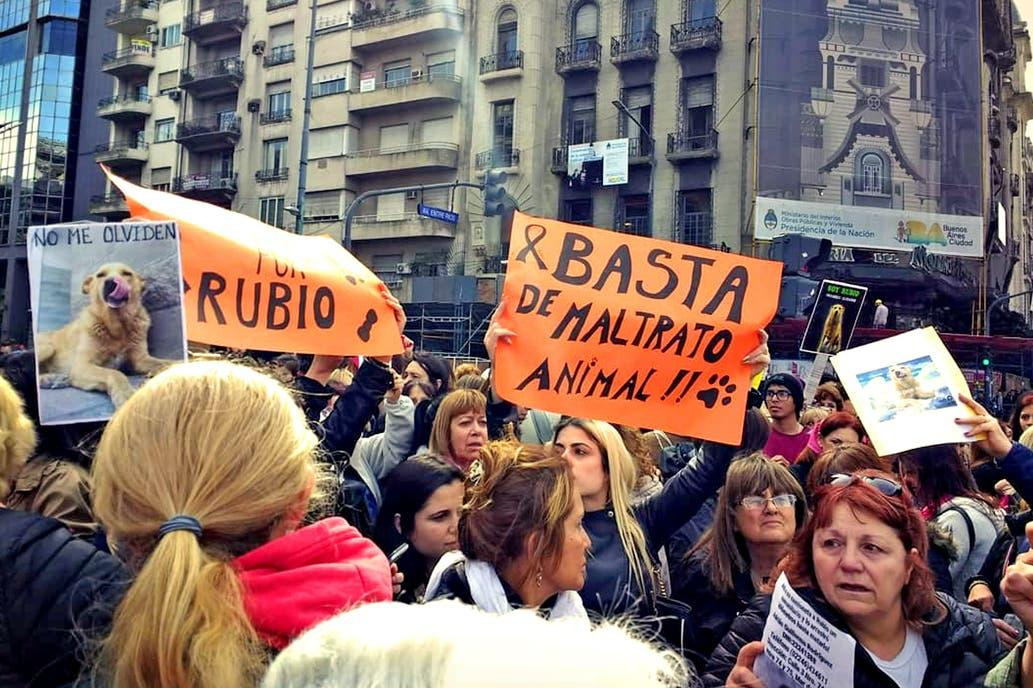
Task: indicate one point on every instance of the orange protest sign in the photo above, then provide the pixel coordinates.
(631, 330)
(249, 285)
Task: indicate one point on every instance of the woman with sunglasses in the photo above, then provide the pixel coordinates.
(758, 512)
(860, 562)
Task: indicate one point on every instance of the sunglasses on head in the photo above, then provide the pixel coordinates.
(886, 486)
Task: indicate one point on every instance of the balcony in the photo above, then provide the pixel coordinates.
(134, 62)
(640, 151)
(400, 226)
(380, 28)
(124, 108)
(110, 207)
(121, 153)
(224, 21)
(132, 17)
(643, 46)
(697, 34)
(281, 54)
(415, 156)
(211, 187)
(421, 89)
(497, 159)
(215, 78)
(273, 5)
(274, 175)
(559, 160)
(691, 146)
(696, 229)
(502, 65)
(581, 56)
(275, 117)
(209, 133)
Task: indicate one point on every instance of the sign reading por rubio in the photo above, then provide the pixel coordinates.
(631, 330)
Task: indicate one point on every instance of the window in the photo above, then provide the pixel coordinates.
(506, 36)
(437, 131)
(170, 36)
(578, 211)
(390, 207)
(873, 174)
(397, 73)
(326, 143)
(635, 215)
(441, 64)
(641, 21)
(913, 84)
(279, 102)
(163, 130)
(395, 137)
(639, 102)
(872, 73)
(586, 23)
(695, 217)
(274, 154)
(699, 10)
(581, 119)
(161, 178)
(830, 73)
(386, 267)
(168, 81)
(502, 117)
(58, 37)
(698, 105)
(329, 79)
(270, 211)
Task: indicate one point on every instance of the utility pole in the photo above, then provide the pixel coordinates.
(299, 219)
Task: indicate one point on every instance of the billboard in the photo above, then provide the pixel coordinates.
(599, 162)
(870, 123)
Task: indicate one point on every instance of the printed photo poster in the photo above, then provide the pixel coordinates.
(631, 330)
(801, 648)
(905, 390)
(834, 318)
(107, 307)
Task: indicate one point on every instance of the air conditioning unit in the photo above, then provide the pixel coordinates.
(152, 33)
(258, 48)
(403, 269)
(254, 105)
(174, 95)
(412, 195)
(416, 74)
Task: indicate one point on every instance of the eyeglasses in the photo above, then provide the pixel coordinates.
(884, 485)
(756, 502)
(780, 394)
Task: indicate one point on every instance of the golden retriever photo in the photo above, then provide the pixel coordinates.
(831, 341)
(906, 385)
(905, 388)
(106, 316)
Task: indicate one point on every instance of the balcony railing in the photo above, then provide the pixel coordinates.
(116, 101)
(632, 47)
(271, 175)
(131, 9)
(559, 159)
(381, 17)
(229, 67)
(581, 55)
(279, 55)
(119, 146)
(696, 228)
(639, 226)
(271, 5)
(692, 144)
(513, 59)
(208, 125)
(115, 57)
(696, 34)
(491, 159)
(223, 13)
(205, 182)
(275, 116)
(639, 148)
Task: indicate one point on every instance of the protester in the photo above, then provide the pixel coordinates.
(426, 367)
(55, 591)
(418, 390)
(420, 510)
(1022, 415)
(783, 397)
(450, 645)
(464, 369)
(1016, 669)
(947, 494)
(837, 428)
(202, 480)
(829, 396)
(759, 510)
(860, 564)
(460, 427)
(521, 540)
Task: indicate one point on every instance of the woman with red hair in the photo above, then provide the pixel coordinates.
(860, 562)
(835, 430)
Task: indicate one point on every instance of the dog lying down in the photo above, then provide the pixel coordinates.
(111, 330)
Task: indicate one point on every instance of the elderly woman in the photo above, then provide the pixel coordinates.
(860, 564)
(758, 513)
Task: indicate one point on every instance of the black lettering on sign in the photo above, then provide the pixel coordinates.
(212, 284)
(532, 244)
(717, 346)
(735, 283)
(539, 375)
(672, 277)
(574, 250)
(252, 320)
(618, 264)
(697, 273)
(323, 308)
(279, 295)
(576, 315)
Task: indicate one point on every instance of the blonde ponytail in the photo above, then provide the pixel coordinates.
(224, 445)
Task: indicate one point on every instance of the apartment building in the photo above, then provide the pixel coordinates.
(209, 103)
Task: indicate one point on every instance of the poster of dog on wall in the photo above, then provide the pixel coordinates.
(107, 306)
(834, 317)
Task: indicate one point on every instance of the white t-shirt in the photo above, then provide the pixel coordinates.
(907, 669)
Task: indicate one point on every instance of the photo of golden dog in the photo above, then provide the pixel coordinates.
(831, 341)
(107, 336)
(908, 388)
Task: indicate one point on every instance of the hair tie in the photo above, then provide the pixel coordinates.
(180, 522)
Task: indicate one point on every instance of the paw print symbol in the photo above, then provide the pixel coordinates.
(719, 391)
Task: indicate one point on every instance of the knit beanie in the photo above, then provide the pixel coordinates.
(790, 382)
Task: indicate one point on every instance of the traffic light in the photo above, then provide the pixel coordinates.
(986, 361)
(800, 254)
(494, 193)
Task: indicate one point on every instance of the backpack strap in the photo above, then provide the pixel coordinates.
(968, 525)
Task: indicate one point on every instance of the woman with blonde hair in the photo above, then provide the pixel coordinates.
(202, 480)
(460, 427)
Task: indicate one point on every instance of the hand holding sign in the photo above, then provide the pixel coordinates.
(742, 675)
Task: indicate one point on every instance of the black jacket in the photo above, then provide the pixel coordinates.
(712, 612)
(354, 408)
(455, 586)
(56, 591)
(1017, 468)
(960, 649)
(608, 590)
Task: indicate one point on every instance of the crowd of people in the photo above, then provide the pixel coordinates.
(247, 520)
